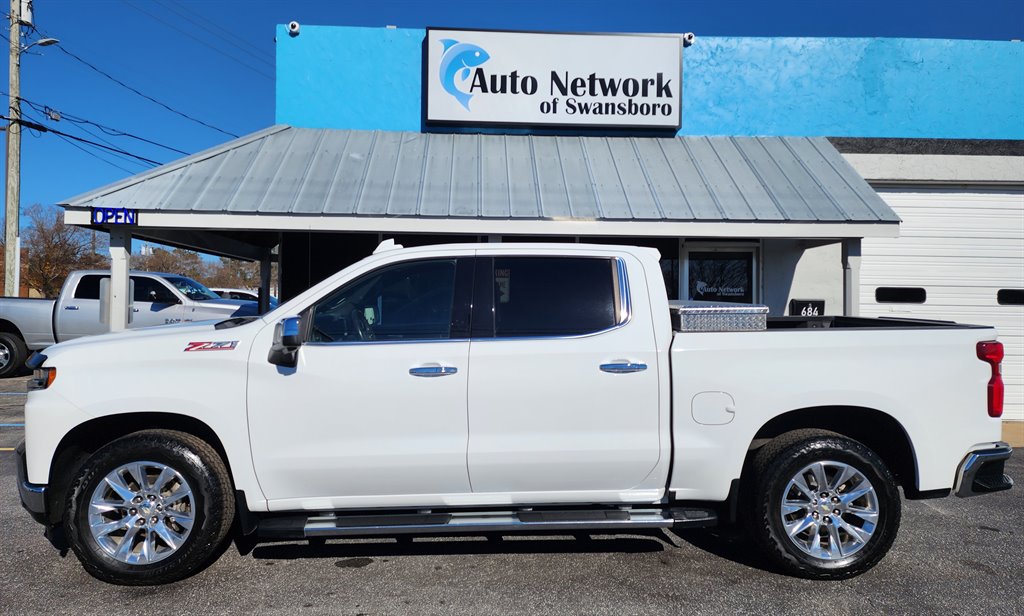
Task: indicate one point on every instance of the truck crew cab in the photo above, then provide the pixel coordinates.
(502, 388)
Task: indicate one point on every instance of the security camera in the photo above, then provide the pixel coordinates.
(293, 28)
(688, 39)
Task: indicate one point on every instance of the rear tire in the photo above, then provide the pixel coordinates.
(152, 507)
(821, 505)
(13, 354)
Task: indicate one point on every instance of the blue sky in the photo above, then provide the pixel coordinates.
(214, 60)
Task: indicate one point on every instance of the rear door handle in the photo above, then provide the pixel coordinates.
(70, 307)
(433, 371)
(623, 367)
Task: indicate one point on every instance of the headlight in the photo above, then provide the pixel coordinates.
(42, 378)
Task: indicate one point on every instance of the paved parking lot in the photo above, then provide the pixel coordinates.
(953, 556)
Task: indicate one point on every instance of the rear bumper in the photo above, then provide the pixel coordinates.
(981, 471)
(33, 496)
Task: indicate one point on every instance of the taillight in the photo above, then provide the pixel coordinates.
(991, 352)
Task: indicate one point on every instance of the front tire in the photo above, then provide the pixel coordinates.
(151, 507)
(821, 505)
(13, 354)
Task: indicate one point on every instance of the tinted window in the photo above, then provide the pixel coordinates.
(553, 296)
(1010, 297)
(191, 289)
(89, 287)
(900, 295)
(407, 301)
(245, 296)
(150, 290)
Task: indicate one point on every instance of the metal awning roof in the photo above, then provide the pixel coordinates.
(344, 179)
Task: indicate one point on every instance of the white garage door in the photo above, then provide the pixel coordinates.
(956, 252)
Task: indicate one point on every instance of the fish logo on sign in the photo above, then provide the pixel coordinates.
(457, 61)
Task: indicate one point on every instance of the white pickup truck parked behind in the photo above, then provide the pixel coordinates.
(158, 299)
(498, 388)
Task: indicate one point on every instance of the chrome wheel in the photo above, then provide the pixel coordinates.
(5, 355)
(141, 512)
(829, 510)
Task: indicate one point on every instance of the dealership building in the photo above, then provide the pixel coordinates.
(880, 177)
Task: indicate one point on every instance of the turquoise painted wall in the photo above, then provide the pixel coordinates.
(370, 78)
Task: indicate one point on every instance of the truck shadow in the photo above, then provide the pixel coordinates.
(729, 543)
(463, 545)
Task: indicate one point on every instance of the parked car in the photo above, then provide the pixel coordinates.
(500, 388)
(243, 294)
(158, 299)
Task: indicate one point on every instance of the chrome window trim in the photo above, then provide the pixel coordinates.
(371, 342)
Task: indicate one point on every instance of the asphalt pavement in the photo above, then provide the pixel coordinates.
(952, 556)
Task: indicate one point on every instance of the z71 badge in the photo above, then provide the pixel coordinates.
(224, 345)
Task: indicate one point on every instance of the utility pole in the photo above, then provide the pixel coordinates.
(13, 209)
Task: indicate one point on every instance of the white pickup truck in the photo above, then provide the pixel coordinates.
(157, 299)
(497, 388)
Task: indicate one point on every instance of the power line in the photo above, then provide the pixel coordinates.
(207, 24)
(113, 132)
(95, 155)
(145, 96)
(45, 129)
(198, 40)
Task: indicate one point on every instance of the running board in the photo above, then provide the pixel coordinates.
(426, 523)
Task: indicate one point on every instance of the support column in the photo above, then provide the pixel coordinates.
(120, 251)
(265, 261)
(851, 277)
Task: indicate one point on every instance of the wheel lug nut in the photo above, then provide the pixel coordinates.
(814, 515)
(137, 500)
(152, 497)
(133, 511)
(835, 499)
(154, 520)
(828, 520)
(824, 494)
(836, 512)
(140, 522)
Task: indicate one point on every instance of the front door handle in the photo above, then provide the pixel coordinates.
(433, 371)
(623, 367)
(70, 307)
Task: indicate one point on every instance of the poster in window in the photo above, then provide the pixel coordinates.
(721, 276)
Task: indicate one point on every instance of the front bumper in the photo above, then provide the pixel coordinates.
(33, 496)
(981, 471)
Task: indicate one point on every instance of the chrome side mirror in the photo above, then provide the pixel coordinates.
(287, 339)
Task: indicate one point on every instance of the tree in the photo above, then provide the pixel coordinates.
(173, 261)
(51, 250)
(235, 274)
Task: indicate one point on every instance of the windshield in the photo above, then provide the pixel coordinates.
(191, 289)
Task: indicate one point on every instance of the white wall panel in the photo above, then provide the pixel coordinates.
(962, 246)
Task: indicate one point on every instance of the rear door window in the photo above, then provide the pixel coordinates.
(553, 296)
(89, 287)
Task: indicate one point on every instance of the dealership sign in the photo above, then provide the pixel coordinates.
(533, 78)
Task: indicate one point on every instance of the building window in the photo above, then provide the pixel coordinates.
(1010, 297)
(721, 272)
(900, 295)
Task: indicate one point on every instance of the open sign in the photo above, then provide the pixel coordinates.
(114, 216)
